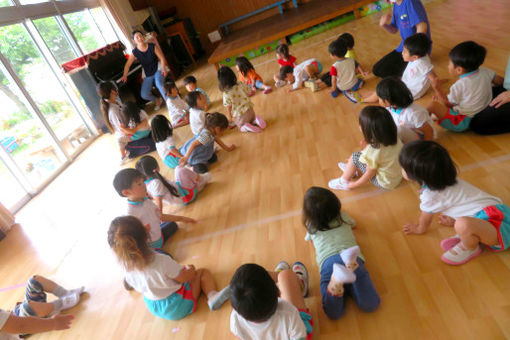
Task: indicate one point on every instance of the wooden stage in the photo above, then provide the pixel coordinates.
(279, 26)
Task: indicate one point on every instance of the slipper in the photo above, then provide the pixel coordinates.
(268, 90)
(281, 266)
(457, 256)
(449, 243)
(219, 299)
(260, 122)
(302, 273)
(338, 184)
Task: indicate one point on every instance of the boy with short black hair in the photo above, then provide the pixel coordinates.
(348, 40)
(343, 73)
(304, 73)
(190, 83)
(263, 310)
(419, 73)
(130, 183)
(198, 105)
(471, 93)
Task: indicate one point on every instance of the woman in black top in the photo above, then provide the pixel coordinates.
(148, 54)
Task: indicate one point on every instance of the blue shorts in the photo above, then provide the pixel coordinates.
(171, 161)
(188, 195)
(157, 244)
(175, 306)
(499, 217)
(318, 64)
(140, 135)
(454, 121)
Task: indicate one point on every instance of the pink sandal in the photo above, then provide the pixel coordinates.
(268, 90)
(457, 255)
(449, 243)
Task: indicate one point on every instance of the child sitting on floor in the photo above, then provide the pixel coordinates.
(378, 161)
(343, 73)
(162, 133)
(338, 256)
(199, 150)
(136, 120)
(183, 191)
(198, 104)
(190, 83)
(251, 78)
(35, 314)
(476, 216)
(270, 305)
(239, 106)
(170, 291)
(303, 74)
(284, 59)
(412, 120)
(471, 93)
(130, 183)
(178, 110)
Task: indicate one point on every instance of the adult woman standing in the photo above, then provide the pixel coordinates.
(495, 118)
(148, 54)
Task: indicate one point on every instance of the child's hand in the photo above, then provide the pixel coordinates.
(412, 228)
(446, 220)
(231, 147)
(187, 219)
(365, 73)
(62, 321)
(183, 160)
(385, 19)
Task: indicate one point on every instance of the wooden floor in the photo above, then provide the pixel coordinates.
(279, 26)
(251, 211)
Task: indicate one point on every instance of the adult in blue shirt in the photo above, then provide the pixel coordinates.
(408, 17)
(495, 118)
(151, 57)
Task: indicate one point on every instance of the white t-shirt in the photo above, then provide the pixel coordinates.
(156, 188)
(415, 76)
(163, 148)
(177, 108)
(285, 324)
(4, 315)
(300, 74)
(196, 120)
(114, 118)
(156, 281)
(413, 117)
(459, 200)
(345, 72)
(472, 92)
(147, 212)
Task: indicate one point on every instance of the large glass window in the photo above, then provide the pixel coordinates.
(85, 30)
(104, 25)
(5, 3)
(55, 39)
(28, 2)
(12, 192)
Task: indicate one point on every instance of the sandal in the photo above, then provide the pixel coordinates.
(457, 255)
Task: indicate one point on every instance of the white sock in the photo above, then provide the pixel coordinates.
(342, 274)
(60, 291)
(349, 255)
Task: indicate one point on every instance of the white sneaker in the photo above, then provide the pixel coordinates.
(125, 159)
(343, 166)
(280, 83)
(338, 184)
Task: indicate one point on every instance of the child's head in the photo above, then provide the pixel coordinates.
(347, 39)
(226, 78)
(286, 73)
(243, 65)
(128, 238)
(171, 89)
(161, 128)
(466, 57)
(190, 83)
(282, 51)
(253, 293)
(106, 91)
(130, 183)
(216, 122)
(393, 92)
(427, 163)
(320, 206)
(149, 167)
(130, 114)
(416, 46)
(337, 49)
(377, 126)
(196, 100)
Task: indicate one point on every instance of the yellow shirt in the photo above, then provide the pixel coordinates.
(350, 54)
(237, 96)
(385, 161)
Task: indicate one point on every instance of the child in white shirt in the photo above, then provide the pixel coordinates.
(304, 73)
(471, 93)
(178, 110)
(198, 104)
(190, 83)
(263, 310)
(476, 216)
(162, 134)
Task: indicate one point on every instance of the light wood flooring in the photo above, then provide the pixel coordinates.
(250, 212)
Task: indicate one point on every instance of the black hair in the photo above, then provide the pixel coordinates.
(244, 65)
(169, 86)
(130, 114)
(124, 179)
(226, 78)
(468, 55)
(285, 70)
(148, 165)
(320, 206)
(253, 293)
(418, 44)
(192, 98)
(216, 119)
(378, 126)
(161, 128)
(347, 39)
(134, 32)
(104, 90)
(395, 91)
(428, 163)
(189, 80)
(283, 49)
(337, 48)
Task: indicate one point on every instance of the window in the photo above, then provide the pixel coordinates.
(55, 39)
(104, 25)
(85, 30)
(5, 3)
(29, 2)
